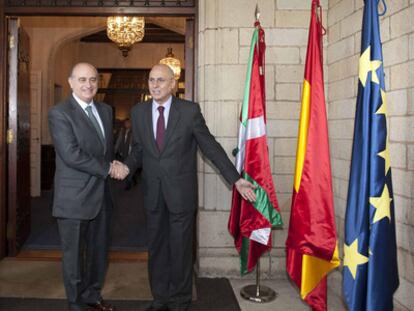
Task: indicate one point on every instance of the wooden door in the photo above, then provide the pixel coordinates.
(35, 132)
(18, 83)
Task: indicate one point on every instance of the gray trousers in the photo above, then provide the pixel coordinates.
(85, 257)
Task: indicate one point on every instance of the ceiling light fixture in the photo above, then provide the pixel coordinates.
(125, 31)
(173, 63)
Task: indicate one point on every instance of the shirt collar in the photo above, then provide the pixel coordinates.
(82, 103)
(166, 105)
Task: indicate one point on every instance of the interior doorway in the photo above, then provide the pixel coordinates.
(57, 43)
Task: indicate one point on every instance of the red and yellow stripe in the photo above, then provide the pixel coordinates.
(311, 246)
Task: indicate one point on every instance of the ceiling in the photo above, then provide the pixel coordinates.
(158, 29)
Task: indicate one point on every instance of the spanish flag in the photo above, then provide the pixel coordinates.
(311, 246)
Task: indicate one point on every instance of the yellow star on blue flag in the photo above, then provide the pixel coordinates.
(353, 258)
(367, 65)
(382, 205)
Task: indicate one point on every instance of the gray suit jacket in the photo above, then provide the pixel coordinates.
(174, 170)
(82, 166)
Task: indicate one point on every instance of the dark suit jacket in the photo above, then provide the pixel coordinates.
(122, 144)
(82, 166)
(174, 170)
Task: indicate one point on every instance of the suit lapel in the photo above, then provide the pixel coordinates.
(81, 115)
(149, 128)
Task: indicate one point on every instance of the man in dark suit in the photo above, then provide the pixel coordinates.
(123, 141)
(166, 134)
(123, 149)
(81, 130)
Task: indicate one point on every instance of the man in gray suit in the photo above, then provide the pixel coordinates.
(166, 133)
(81, 130)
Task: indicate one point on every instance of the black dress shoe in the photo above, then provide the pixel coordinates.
(101, 306)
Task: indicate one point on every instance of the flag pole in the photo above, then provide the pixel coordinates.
(256, 292)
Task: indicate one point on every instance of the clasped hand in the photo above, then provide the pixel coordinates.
(118, 170)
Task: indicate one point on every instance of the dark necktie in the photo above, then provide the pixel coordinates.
(95, 124)
(159, 138)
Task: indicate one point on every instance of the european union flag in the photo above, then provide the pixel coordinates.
(370, 253)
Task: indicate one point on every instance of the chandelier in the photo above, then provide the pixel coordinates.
(125, 31)
(173, 63)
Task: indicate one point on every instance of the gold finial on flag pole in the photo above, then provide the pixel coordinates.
(257, 12)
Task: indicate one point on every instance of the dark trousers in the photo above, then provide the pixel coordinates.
(85, 257)
(170, 240)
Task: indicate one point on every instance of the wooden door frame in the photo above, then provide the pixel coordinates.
(189, 12)
(3, 123)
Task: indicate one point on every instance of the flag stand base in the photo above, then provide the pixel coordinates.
(258, 293)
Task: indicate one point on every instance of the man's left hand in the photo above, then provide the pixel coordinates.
(245, 188)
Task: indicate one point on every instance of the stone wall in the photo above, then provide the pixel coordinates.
(397, 34)
(225, 30)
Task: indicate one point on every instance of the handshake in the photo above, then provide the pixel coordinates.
(118, 170)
